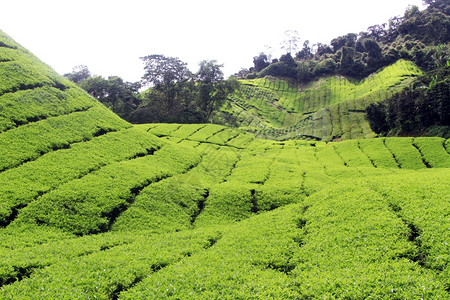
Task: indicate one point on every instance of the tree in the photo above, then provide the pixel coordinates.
(348, 40)
(121, 97)
(304, 72)
(290, 43)
(242, 73)
(434, 3)
(322, 49)
(439, 55)
(377, 32)
(78, 74)
(347, 62)
(376, 115)
(305, 53)
(167, 75)
(393, 29)
(96, 86)
(213, 89)
(260, 62)
(375, 57)
(161, 70)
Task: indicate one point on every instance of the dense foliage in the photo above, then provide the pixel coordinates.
(359, 55)
(423, 107)
(174, 94)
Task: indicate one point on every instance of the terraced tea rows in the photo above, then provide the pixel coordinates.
(93, 207)
(317, 248)
(326, 109)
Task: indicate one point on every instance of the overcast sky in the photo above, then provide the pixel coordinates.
(109, 36)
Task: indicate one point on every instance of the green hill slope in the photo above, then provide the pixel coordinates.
(93, 207)
(326, 109)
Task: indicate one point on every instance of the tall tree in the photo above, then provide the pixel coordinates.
(161, 70)
(167, 75)
(213, 89)
(260, 62)
(120, 96)
(78, 74)
(305, 53)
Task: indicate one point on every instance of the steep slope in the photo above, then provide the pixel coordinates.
(53, 136)
(93, 207)
(326, 109)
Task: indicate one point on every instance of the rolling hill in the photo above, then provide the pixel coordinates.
(94, 207)
(327, 109)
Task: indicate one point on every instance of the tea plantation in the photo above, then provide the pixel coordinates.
(92, 207)
(326, 109)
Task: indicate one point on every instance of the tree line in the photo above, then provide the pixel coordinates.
(419, 108)
(172, 93)
(359, 55)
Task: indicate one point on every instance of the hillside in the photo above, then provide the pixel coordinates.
(390, 80)
(94, 207)
(326, 109)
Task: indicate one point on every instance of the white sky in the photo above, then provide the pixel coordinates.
(109, 36)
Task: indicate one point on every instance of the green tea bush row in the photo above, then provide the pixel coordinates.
(284, 186)
(30, 141)
(346, 242)
(7, 54)
(353, 246)
(262, 100)
(163, 129)
(352, 155)
(216, 165)
(92, 203)
(345, 100)
(18, 261)
(241, 141)
(15, 76)
(433, 151)
(104, 274)
(26, 106)
(22, 70)
(222, 137)
(206, 132)
(405, 153)
(328, 157)
(145, 127)
(249, 261)
(23, 184)
(421, 200)
(166, 206)
(377, 152)
(251, 169)
(188, 143)
(187, 130)
(227, 203)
